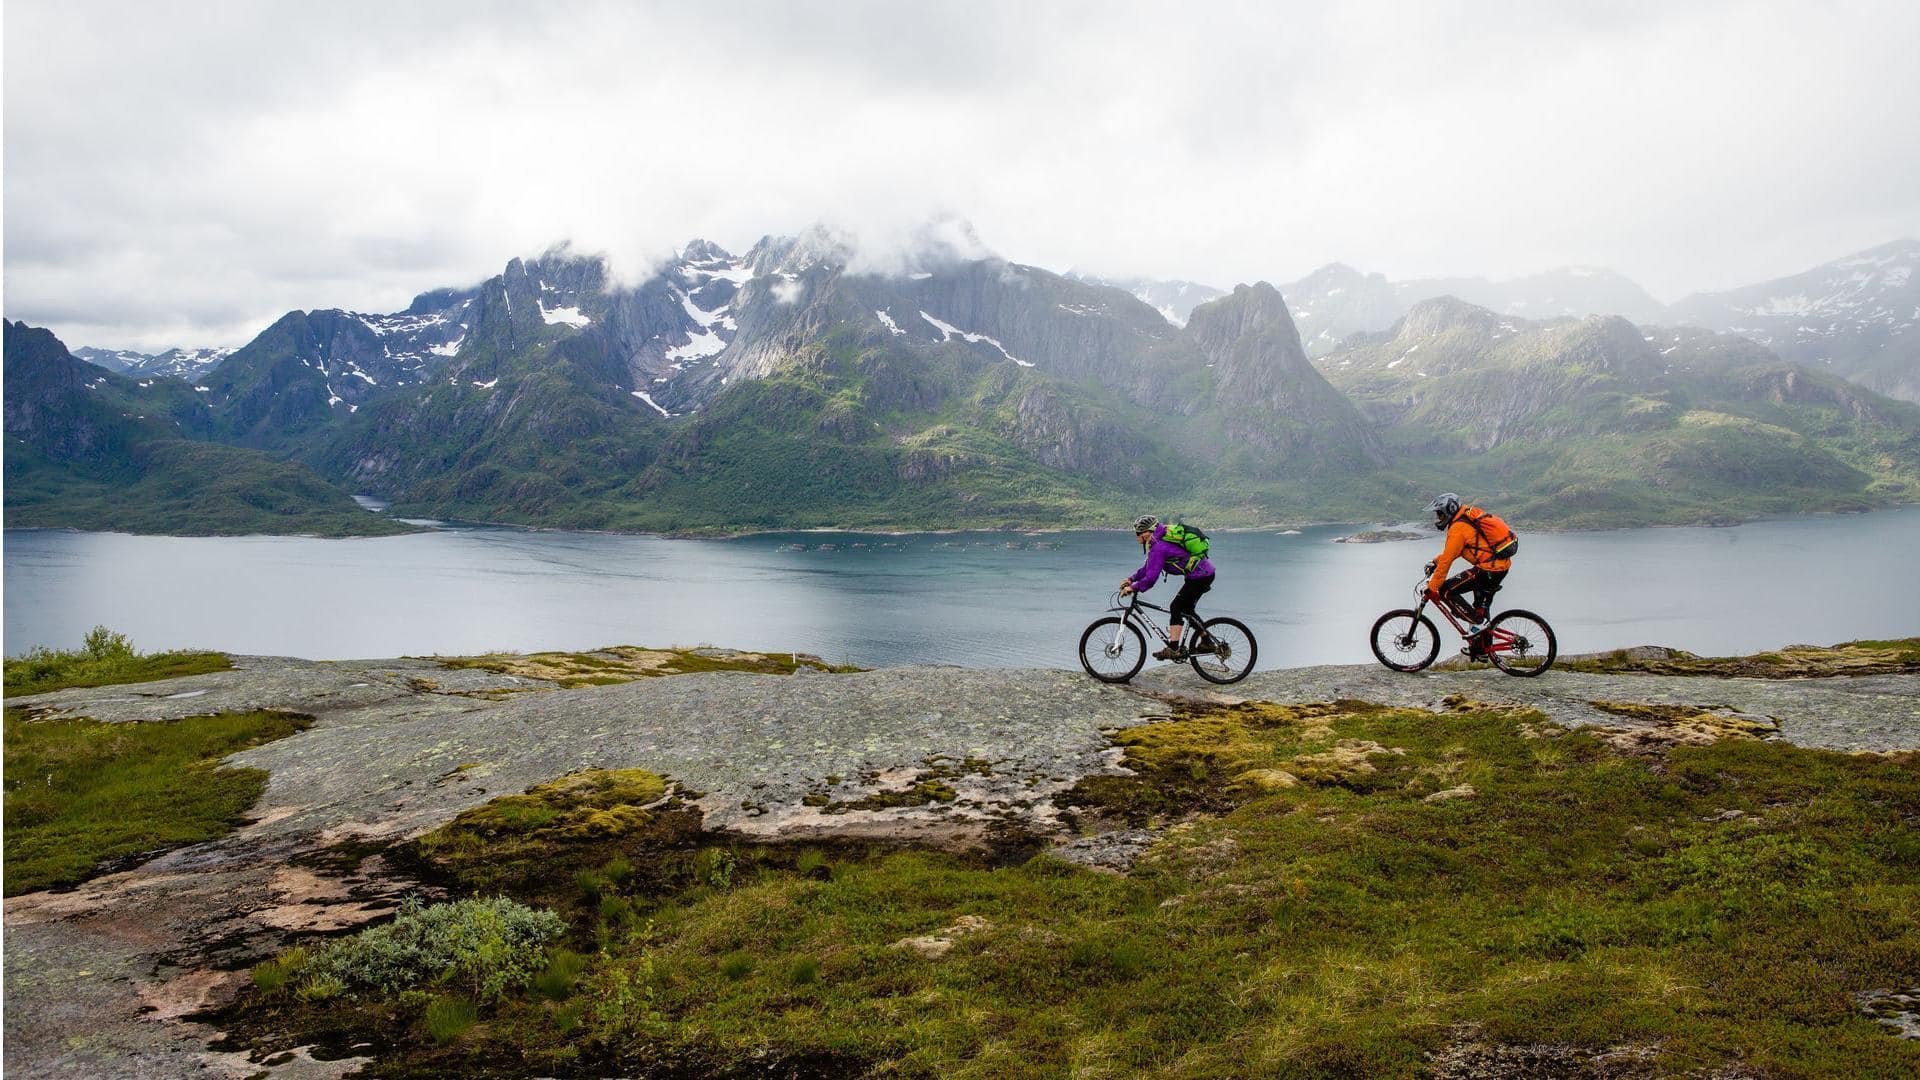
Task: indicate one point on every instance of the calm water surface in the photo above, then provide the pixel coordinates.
(987, 599)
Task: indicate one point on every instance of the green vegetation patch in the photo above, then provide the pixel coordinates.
(80, 792)
(104, 659)
(1457, 884)
(514, 841)
(1900, 656)
(625, 663)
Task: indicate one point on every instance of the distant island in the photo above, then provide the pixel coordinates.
(1378, 536)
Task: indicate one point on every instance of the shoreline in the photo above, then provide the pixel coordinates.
(722, 534)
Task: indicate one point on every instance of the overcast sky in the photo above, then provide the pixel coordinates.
(183, 173)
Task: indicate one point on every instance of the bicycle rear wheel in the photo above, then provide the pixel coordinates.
(1520, 643)
(1227, 651)
(1405, 640)
(1112, 649)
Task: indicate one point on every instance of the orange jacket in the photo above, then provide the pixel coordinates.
(1465, 542)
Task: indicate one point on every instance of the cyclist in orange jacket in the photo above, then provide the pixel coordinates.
(1487, 544)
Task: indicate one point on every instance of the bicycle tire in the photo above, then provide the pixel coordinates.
(1230, 666)
(1113, 653)
(1516, 662)
(1405, 643)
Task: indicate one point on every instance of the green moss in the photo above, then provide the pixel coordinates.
(79, 792)
(592, 805)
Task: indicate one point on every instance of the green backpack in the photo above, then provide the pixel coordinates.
(1190, 538)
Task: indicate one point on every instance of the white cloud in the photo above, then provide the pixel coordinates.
(184, 181)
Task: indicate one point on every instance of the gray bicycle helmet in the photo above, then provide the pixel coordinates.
(1144, 522)
(1444, 508)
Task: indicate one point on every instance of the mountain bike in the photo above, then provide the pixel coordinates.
(1114, 647)
(1518, 642)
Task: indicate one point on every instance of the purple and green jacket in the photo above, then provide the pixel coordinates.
(1166, 555)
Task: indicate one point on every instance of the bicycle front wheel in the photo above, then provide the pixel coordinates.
(1405, 640)
(1520, 643)
(1227, 651)
(1112, 650)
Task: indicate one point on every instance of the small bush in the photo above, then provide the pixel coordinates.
(483, 945)
(805, 970)
(103, 644)
(714, 866)
(450, 1018)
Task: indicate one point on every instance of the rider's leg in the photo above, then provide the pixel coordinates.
(1181, 610)
(1453, 587)
(1485, 583)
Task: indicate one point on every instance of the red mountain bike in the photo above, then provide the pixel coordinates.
(1518, 642)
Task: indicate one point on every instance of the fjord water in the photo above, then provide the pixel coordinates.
(983, 599)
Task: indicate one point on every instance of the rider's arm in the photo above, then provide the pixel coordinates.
(1457, 534)
(1147, 576)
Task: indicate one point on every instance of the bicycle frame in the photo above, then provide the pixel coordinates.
(1130, 615)
(1496, 640)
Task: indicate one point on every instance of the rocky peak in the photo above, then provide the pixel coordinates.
(701, 251)
(820, 246)
(1261, 372)
(1249, 340)
(1337, 275)
(1248, 309)
(1603, 343)
(1444, 313)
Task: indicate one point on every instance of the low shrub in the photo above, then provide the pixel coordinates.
(105, 658)
(485, 945)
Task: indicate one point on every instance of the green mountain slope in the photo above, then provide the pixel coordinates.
(845, 400)
(87, 449)
(1592, 424)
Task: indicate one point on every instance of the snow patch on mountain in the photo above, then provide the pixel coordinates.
(948, 332)
(567, 316)
(648, 398)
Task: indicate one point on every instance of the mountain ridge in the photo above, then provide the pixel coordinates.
(797, 385)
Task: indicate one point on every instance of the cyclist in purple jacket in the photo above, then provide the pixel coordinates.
(1165, 555)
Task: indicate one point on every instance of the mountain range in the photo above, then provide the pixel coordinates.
(1858, 316)
(171, 364)
(788, 387)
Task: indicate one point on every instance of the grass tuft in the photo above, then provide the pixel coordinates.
(448, 1018)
